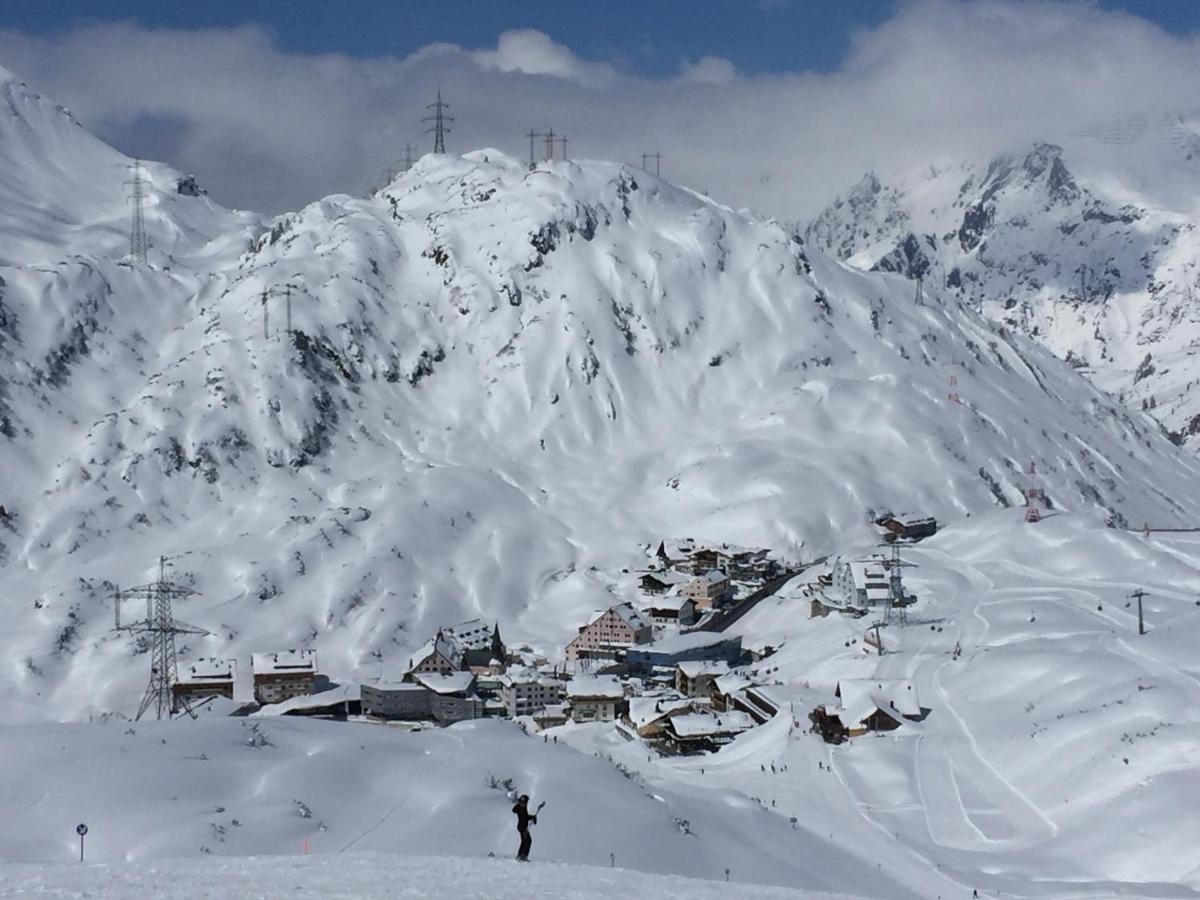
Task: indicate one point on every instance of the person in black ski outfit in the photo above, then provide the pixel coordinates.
(524, 817)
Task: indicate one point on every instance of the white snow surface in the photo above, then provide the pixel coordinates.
(500, 385)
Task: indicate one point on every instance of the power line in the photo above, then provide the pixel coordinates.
(162, 627)
(549, 136)
(441, 123)
(408, 157)
(563, 140)
(532, 135)
(139, 246)
(657, 157)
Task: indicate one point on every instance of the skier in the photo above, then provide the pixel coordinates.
(524, 817)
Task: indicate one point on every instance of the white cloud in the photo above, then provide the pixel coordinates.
(533, 53)
(271, 130)
(709, 70)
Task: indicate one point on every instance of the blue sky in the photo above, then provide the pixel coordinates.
(772, 104)
(644, 37)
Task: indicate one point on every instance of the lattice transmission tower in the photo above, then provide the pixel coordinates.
(139, 247)
(161, 627)
(441, 123)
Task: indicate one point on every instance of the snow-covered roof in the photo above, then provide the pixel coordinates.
(208, 670)
(589, 686)
(732, 682)
(474, 634)
(679, 643)
(441, 644)
(694, 668)
(630, 616)
(702, 724)
(454, 683)
(668, 577)
(341, 694)
(714, 576)
(285, 662)
(860, 697)
(552, 711)
(646, 709)
(672, 600)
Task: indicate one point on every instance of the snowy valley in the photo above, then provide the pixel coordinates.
(490, 391)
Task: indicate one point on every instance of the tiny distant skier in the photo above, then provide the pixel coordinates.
(524, 817)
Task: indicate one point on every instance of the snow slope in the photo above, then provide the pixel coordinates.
(1091, 249)
(235, 787)
(365, 876)
(65, 193)
(495, 381)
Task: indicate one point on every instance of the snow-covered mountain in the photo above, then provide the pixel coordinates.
(497, 384)
(479, 392)
(1091, 249)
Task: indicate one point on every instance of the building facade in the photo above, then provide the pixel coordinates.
(282, 675)
(609, 634)
(208, 677)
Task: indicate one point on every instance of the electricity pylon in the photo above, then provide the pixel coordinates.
(162, 627)
(441, 123)
(139, 247)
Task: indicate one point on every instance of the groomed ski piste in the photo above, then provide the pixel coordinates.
(498, 385)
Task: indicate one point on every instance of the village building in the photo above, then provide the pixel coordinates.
(670, 651)
(659, 582)
(595, 698)
(453, 696)
(524, 692)
(701, 732)
(649, 713)
(551, 717)
(866, 704)
(391, 699)
(672, 610)
(283, 675)
(440, 656)
(203, 678)
(740, 563)
(711, 590)
(488, 659)
(857, 584)
(725, 690)
(339, 702)
(906, 526)
(694, 677)
(610, 634)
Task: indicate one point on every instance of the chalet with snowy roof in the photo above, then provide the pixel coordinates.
(669, 652)
(595, 698)
(673, 553)
(906, 526)
(866, 704)
(711, 590)
(857, 584)
(526, 691)
(671, 610)
(610, 634)
(208, 677)
(694, 677)
(725, 690)
(660, 582)
(706, 731)
(741, 563)
(442, 655)
(282, 675)
(648, 714)
(396, 699)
